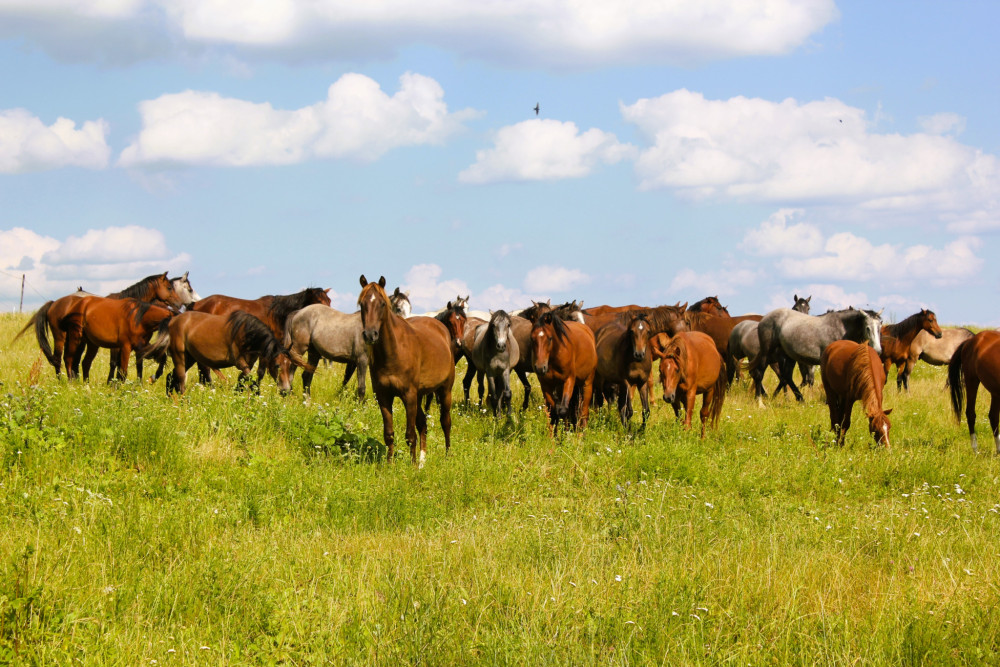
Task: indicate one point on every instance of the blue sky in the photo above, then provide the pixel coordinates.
(751, 149)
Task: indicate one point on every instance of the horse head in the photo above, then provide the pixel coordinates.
(930, 324)
(500, 324)
(185, 291)
(547, 329)
(400, 302)
(638, 332)
(163, 289)
(879, 426)
(374, 306)
(801, 304)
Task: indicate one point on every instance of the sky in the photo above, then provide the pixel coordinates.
(750, 149)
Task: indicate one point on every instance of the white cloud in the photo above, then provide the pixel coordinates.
(544, 150)
(571, 33)
(723, 282)
(427, 291)
(101, 261)
(497, 297)
(777, 237)
(942, 123)
(546, 279)
(27, 144)
(357, 120)
(826, 296)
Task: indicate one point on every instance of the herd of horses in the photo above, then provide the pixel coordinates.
(580, 356)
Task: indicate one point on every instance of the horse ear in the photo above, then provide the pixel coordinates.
(165, 274)
(685, 306)
(886, 412)
(381, 282)
(364, 281)
(467, 297)
(879, 313)
(448, 306)
(407, 294)
(185, 276)
(326, 291)
(809, 298)
(548, 302)
(795, 297)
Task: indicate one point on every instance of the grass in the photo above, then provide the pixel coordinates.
(222, 528)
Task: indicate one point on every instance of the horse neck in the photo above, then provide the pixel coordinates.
(389, 333)
(865, 382)
(906, 330)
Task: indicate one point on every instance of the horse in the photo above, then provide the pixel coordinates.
(156, 287)
(690, 364)
(564, 357)
(853, 372)
(566, 311)
(787, 336)
(934, 351)
(270, 309)
(897, 339)
(93, 322)
(801, 304)
(976, 361)
(710, 305)
(216, 341)
(495, 352)
(662, 319)
(410, 358)
(624, 358)
(400, 302)
(521, 330)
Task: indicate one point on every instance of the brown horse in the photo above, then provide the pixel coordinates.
(156, 287)
(564, 357)
(216, 342)
(977, 361)
(624, 359)
(662, 319)
(93, 322)
(271, 309)
(719, 329)
(853, 372)
(410, 358)
(710, 305)
(897, 340)
(690, 365)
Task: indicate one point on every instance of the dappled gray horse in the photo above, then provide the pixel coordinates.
(495, 352)
(788, 337)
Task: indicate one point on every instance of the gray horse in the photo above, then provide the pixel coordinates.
(787, 337)
(495, 352)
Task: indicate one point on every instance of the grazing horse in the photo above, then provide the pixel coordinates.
(625, 360)
(495, 352)
(564, 358)
(787, 336)
(217, 341)
(897, 339)
(410, 358)
(975, 362)
(710, 305)
(934, 351)
(93, 322)
(853, 372)
(156, 287)
(690, 364)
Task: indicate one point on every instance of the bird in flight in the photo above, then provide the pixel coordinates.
(536, 108)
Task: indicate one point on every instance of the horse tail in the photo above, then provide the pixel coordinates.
(721, 385)
(955, 380)
(159, 348)
(40, 320)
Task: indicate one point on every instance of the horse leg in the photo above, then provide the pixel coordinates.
(470, 375)
(362, 378)
(971, 391)
(312, 358)
(348, 372)
(910, 363)
(847, 407)
(527, 388)
(787, 367)
(113, 355)
(72, 350)
(995, 421)
(416, 421)
(388, 433)
(444, 403)
(480, 384)
(179, 382)
(706, 407)
(808, 378)
(689, 399)
(88, 358)
(644, 397)
(491, 397)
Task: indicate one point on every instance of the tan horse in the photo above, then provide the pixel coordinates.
(690, 365)
(853, 372)
(564, 357)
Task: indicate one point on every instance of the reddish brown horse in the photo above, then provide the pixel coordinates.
(710, 305)
(691, 365)
(853, 372)
(975, 362)
(719, 328)
(662, 319)
(271, 309)
(624, 359)
(151, 288)
(564, 358)
(410, 358)
(93, 322)
(897, 340)
(214, 341)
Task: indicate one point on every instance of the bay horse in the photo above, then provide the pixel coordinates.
(975, 362)
(564, 357)
(662, 319)
(787, 336)
(690, 364)
(270, 309)
(710, 305)
(624, 359)
(93, 322)
(410, 358)
(222, 341)
(934, 351)
(495, 352)
(853, 372)
(897, 339)
(156, 287)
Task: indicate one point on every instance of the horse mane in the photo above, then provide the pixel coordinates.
(253, 337)
(556, 322)
(696, 306)
(661, 317)
(139, 309)
(911, 323)
(442, 317)
(139, 290)
(861, 379)
(283, 305)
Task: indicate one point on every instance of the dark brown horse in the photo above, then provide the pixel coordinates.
(156, 287)
(897, 340)
(624, 359)
(710, 305)
(662, 319)
(853, 372)
(975, 362)
(215, 341)
(93, 322)
(690, 365)
(564, 358)
(410, 358)
(271, 309)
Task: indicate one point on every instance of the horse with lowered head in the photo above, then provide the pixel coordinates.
(853, 372)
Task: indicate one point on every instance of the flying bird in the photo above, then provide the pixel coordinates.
(536, 108)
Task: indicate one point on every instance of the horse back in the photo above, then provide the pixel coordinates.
(584, 348)
(704, 360)
(220, 304)
(983, 359)
(204, 336)
(429, 345)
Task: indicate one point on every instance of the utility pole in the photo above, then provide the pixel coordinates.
(20, 307)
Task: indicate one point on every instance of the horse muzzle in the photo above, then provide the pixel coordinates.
(541, 369)
(370, 336)
(638, 356)
(939, 334)
(669, 398)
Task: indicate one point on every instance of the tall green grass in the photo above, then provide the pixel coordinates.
(226, 528)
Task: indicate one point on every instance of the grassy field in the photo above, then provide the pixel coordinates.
(224, 528)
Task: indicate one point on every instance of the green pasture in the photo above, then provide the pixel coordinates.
(226, 528)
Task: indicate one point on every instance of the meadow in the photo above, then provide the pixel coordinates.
(229, 528)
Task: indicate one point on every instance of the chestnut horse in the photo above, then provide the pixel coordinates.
(625, 360)
(662, 319)
(564, 357)
(975, 362)
(710, 305)
(853, 372)
(93, 322)
(410, 358)
(897, 339)
(271, 309)
(217, 341)
(690, 365)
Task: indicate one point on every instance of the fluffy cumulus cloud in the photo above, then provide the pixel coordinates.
(100, 261)
(824, 296)
(544, 150)
(548, 279)
(776, 237)
(357, 120)
(427, 291)
(722, 282)
(27, 144)
(823, 151)
(570, 33)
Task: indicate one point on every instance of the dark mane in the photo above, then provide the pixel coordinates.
(445, 315)
(911, 323)
(140, 290)
(663, 319)
(253, 337)
(284, 305)
(556, 322)
(140, 308)
(696, 306)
